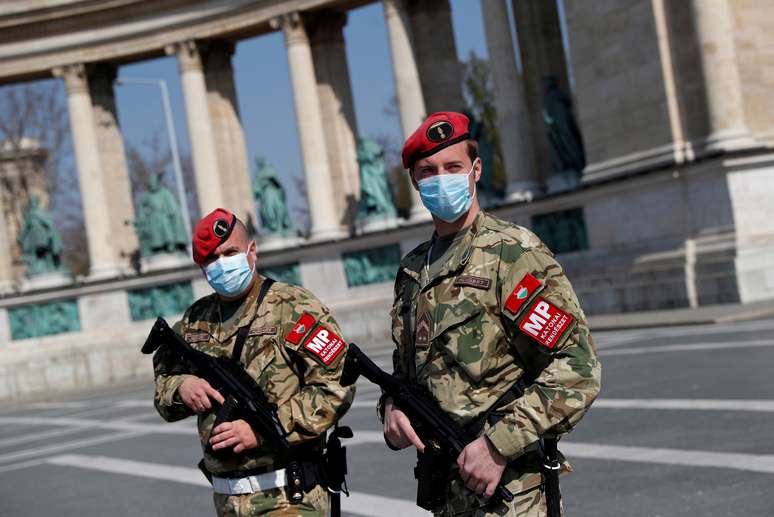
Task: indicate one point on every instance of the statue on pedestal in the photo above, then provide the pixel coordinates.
(564, 138)
(39, 241)
(270, 197)
(375, 195)
(160, 227)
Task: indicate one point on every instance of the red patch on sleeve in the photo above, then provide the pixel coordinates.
(301, 328)
(521, 293)
(545, 323)
(326, 345)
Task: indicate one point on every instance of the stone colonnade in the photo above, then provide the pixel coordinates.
(427, 79)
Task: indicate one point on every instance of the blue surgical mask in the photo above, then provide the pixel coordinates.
(447, 196)
(229, 276)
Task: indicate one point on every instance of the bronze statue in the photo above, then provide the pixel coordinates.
(564, 137)
(160, 227)
(375, 193)
(270, 197)
(39, 240)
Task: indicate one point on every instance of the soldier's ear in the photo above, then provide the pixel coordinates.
(477, 169)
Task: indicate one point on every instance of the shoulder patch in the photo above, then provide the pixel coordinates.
(545, 323)
(479, 282)
(521, 293)
(301, 328)
(196, 337)
(324, 344)
(265, 330)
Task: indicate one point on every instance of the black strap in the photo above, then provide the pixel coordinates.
(244, 331)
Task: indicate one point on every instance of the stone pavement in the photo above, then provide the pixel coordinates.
(726, 313)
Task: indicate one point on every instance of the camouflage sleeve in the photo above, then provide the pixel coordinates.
(169, 373)
(321, 400)
(549, 333)
(397, 335)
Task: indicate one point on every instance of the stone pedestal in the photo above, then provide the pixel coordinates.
(104, 310)
(376, 224)
(200, 131)
(317, 174)
(233, 163)
(102, 255)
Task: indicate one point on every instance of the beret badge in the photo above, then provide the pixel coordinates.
(440, 131)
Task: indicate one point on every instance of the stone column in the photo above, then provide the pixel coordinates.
(235, 175)
(714, 25)
(337, 109)
(542, 55)
(510, 102)
(96, 210)
(200, 133)
(115, 174)
(7, 279)
(439, 68)
(408, 88)
(319, 188)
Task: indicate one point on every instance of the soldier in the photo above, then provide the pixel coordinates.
(276, 350)
(485, 319)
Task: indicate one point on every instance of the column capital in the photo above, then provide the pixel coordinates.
(188, 55)
(75, 77)
(326, 27)
(292, 25)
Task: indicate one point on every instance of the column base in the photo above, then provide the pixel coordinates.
(328, 234)
(562, 182)
(419, 213)
(376, 224)
(46, 281)
(522, 191)
(164, 261)
(7, 287)
(271, 242)
(728, 140)
(103, 273)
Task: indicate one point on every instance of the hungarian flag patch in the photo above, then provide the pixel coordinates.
(301, 328)
(324, 344)
(521, 293)
(545, 323)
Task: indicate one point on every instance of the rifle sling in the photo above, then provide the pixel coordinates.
(244, 331)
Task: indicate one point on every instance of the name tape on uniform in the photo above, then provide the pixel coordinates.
(191, 337)
(301, 328)
(324, 344)
(545, 323)
(521, 293)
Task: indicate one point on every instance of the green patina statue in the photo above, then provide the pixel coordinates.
(487, 192)
(376, 199)
(39, 241)
(564, 137)
(160, 227)
(270, 197)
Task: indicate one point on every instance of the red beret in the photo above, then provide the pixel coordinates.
(438, 131)
(210, 232)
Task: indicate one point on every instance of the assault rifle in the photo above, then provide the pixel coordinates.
(423, 412)
(243, 397)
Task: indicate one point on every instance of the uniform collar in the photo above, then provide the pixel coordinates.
(247, 312)
(414, 263)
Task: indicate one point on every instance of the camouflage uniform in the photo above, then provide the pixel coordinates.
(469, 350)
(305, 389)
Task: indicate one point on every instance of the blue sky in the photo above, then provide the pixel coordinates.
(265, 96)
